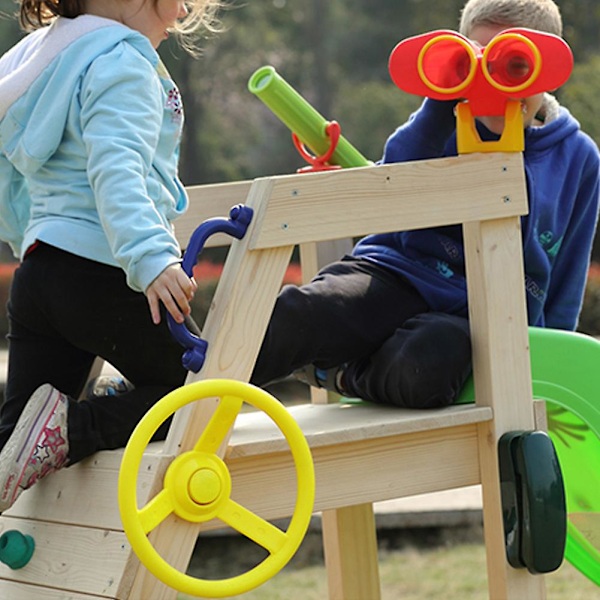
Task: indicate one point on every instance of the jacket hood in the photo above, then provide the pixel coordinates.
(39, 76)
(559, 125)
(554, 131)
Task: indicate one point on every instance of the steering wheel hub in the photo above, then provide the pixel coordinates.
(204, 487)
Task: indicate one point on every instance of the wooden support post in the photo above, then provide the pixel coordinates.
(502, 379)
(350, 544)
(234, 328)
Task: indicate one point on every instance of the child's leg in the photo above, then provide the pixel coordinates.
(70, 310)
(35, 359)
(424, 364)
(347, 312)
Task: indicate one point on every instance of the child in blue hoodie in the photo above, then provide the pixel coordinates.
(389, 323)
(90, 125)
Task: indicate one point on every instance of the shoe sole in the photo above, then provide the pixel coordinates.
(21, 445)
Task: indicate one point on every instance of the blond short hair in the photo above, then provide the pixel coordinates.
(543, 15)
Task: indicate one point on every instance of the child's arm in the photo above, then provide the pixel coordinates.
(570, 269)
(122, 130)
(424, 135)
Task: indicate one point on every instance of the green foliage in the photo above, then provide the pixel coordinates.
(581, 19)
(581, 94)
(9, 28)
(335, 54)
(589, 320)
(369, 112)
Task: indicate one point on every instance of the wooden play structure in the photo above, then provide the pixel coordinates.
(362, 454)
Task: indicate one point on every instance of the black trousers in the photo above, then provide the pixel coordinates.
(356, 313)
(63, 312)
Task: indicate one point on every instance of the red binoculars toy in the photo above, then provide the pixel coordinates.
(517, 63)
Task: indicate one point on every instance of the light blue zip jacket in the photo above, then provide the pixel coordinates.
(90, 124)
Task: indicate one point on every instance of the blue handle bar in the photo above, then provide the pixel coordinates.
(235, 226)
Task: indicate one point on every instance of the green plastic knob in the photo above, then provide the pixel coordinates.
(16, 548)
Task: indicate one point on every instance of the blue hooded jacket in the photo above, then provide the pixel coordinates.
(90, 125)
(562, 169)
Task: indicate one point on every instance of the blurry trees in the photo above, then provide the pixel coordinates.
(335, 54)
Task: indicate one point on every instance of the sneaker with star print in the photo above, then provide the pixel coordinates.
(38, 445)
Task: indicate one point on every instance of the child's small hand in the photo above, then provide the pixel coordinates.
(175, 290)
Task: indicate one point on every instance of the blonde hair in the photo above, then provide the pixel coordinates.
(202, 15)
(543, 15)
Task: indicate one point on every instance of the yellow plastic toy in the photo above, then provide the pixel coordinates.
(197, 487)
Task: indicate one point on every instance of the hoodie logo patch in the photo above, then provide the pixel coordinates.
(444, 269)
(175, 105)
(546, 240)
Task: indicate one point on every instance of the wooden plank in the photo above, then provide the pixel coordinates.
(502, 378)
(58, 498)
(254, 434)
(358, 472)
(86, 560)
(377, 469)
(416, 187)
(236, 322)
(336, 424)
(234, 329)
(11, 590)
(311, 207)
(206, 202)
(351, 557)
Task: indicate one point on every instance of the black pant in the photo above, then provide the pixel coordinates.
(63, 312)
(357, 313)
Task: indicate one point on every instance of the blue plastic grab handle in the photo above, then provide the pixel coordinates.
(235, 226)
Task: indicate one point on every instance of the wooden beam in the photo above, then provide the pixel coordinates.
(413, 195)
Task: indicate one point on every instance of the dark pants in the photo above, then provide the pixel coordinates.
(63, 312)
(357, 313)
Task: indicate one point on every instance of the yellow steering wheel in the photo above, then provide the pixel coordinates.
(197, 487)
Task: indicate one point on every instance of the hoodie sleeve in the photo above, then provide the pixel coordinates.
(15, 205)
(569, 272)
(122, 109)
(424, 135)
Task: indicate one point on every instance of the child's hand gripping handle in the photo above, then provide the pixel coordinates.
(235, 226)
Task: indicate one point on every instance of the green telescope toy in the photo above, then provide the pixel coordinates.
(301, 118)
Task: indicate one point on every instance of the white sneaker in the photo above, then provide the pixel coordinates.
(107, 385)
(38, 445)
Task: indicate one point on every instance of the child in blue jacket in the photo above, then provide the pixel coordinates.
(90, 125)
(389, 323)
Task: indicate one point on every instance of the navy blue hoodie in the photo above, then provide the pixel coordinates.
(562, 169)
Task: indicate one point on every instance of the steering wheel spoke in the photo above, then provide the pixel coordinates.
(156, 511)
(219, 425)
(247, 523)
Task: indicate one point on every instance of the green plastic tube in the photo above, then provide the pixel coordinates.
(301, 118)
